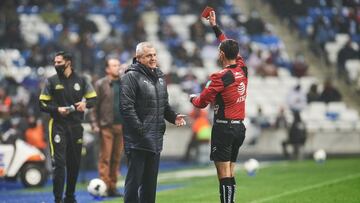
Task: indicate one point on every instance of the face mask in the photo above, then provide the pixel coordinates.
(60, 69)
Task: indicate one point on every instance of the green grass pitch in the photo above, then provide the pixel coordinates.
(335, 181)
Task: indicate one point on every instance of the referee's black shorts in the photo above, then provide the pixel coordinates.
(226, 139)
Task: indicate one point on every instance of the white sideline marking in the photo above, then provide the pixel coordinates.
(191, 173)
(353, 176)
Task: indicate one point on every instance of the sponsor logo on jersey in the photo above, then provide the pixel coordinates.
(238, 75)
(57, 138)
(79, 141)
(59, 87)
(241, 88)
(77, 87)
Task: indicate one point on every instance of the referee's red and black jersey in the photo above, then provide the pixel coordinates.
(227, 89)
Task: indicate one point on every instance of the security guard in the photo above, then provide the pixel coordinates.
(62, 97)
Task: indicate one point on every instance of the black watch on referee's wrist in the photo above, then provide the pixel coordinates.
(192, 96)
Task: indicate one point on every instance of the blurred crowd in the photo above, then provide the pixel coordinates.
(320, 21)
(74, 29)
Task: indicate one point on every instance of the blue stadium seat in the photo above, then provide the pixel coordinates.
(356, 38)
(167, 11)
(269, 40)
(303, 23)
(314, 12)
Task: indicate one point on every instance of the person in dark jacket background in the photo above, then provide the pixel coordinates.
(144, 106)
(330, 93)
(297, 137)
(107, 120)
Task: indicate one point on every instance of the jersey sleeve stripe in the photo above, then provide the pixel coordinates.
(51, 122)
(90, 95)
(45, 97)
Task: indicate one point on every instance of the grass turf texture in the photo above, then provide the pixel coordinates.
(336, 180)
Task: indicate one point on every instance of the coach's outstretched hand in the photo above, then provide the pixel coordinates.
(212, 18)
(180, 121)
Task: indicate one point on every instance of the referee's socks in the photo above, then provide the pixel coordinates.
(227, 190)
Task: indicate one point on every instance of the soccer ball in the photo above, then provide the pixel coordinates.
(320, 156)
(97, 187)
(251, 166)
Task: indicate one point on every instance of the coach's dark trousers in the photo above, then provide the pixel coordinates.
(141, 178)
(65, 147)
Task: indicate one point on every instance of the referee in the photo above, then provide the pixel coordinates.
(62, 97)
(227, 89)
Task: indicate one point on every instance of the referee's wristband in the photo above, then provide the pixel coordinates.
(192, 97)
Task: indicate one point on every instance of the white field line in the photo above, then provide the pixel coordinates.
(191, 173)
(319, 185)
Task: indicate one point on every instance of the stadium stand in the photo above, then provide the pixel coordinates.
(94, 30)
(330, 26)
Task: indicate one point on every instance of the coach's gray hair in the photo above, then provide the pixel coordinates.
(140, 48)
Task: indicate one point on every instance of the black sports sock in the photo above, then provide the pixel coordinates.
(233, 185)
(225, 190)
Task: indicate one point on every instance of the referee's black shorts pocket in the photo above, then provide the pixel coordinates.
(240, 132)
(222, 134)
(222, 138)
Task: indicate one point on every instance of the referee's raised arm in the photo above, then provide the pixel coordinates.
(227, 90)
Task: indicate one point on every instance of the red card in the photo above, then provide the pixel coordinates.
(206, 12)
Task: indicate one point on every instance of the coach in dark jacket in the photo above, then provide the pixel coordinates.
(144, 107)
